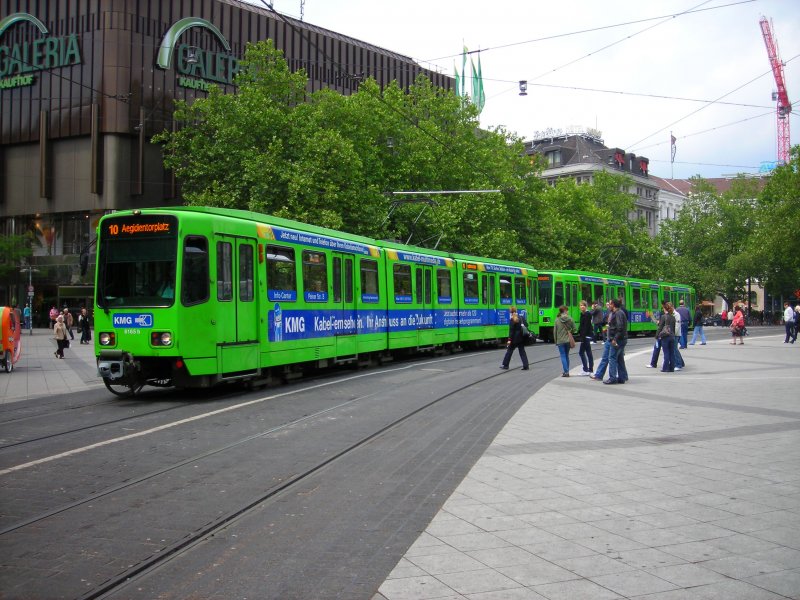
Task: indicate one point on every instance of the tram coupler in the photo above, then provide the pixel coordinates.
(114, 364)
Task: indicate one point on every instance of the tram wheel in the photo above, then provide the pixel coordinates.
(122, 390)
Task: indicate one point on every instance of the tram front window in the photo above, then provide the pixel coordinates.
(136, 264)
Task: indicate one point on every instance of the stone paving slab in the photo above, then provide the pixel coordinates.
(675, 486)
(38, 373)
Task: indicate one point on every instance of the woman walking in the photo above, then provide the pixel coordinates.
(60, 334)
(737, 326)
(563, 331)
(586, 332)
(516, 339)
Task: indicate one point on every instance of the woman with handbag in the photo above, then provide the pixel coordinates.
(737, 326)
(586, 333)
(60, 334)
(563, 336)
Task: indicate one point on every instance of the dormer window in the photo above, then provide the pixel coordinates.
(553, 158)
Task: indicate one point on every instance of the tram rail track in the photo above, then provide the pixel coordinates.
(196, 536)
(199, 535)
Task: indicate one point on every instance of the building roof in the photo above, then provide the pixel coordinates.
(686, 186)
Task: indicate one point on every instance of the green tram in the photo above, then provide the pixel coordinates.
(641, 298)
(195, 296)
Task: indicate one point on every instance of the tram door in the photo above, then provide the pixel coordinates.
(425, 332)
(344, 301)
(491, 300)
(237, 306)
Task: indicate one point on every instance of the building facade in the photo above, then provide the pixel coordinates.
(579, 155)
(85, 84)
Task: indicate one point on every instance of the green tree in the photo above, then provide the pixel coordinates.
(331, 160)
(705, 242)
(588, 227)
(773, 245)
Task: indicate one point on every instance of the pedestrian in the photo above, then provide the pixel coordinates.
(657, 344)
(666, 334)
(562, 329)
(685, 318)
(516, 339)
(85, 325)
(60, 334)
(26, 314)
(601, 368)
(698, 328)
(789, 323)
(730, 317)
(618, 335)
(53, 314)
(737, 326)
(69, 322)
(677, 359)
(586, 333)
(597, 321)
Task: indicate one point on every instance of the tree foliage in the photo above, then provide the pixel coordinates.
(722, 242)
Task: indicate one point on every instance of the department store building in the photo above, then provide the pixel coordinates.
(85, 84)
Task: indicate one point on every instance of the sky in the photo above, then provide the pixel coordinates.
(696, 69)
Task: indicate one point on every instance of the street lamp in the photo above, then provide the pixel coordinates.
(31, 271)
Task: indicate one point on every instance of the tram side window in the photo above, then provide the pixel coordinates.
(444, 286)
(654, 300)
(559, 299)
(505, 290)
(315, 274)
(428, 276)
(418, 281)
(471, 287)
(194, 286)
(281, 273)
(337, 279)
(402, 281)
(369, 281)
(224, 271)
(519, 290)
(545, 293)
(637, 298)
(586, 293)
(246, 273)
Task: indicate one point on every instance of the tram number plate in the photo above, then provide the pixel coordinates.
(144, 320)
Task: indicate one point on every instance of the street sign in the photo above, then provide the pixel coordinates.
(30, 290)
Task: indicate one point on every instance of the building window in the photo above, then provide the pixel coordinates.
(553, 158)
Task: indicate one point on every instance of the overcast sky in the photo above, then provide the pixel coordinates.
(716, 53)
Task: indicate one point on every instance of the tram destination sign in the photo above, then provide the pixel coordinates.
(139, 226)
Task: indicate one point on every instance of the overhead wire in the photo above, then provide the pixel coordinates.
(711, 103)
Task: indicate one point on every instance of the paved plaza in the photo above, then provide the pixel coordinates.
(675, 486)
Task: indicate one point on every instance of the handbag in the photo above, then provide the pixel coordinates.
(571, 340)
(525, 332)
(66, 343)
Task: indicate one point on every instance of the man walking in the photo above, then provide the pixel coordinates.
(618, 336)
(698, 328)
(69, 322)
(685, 316)
(789, 324)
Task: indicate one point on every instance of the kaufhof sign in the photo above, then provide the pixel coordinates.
(197, 68)
(20, 62)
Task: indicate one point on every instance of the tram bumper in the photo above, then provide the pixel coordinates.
(115, 364)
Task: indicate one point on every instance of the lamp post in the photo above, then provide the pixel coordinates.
(30, 271)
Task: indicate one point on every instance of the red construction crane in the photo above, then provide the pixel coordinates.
(782, 96)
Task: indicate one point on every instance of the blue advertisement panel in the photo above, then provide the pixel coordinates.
(291, 325)
(322, 241)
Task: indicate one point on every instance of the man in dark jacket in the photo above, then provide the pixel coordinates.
(685, 317)
(618, 335)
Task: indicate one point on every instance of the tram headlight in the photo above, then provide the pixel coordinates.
(161, 338)
(107, 339)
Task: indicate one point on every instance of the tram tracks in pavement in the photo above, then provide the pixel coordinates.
(208, 530)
